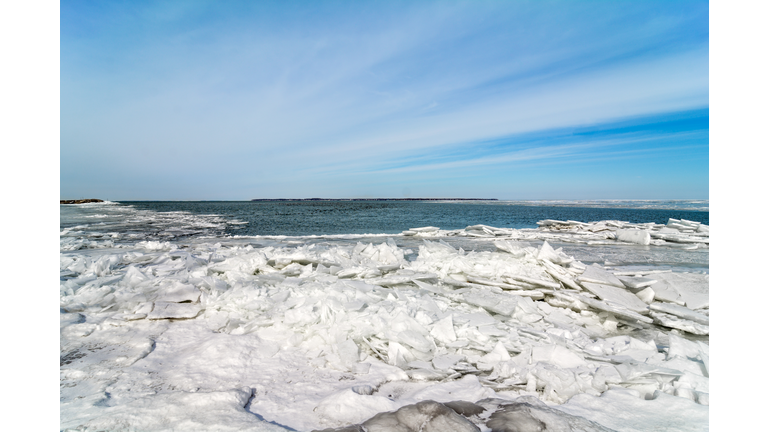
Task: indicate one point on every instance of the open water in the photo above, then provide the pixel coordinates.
(301, 218)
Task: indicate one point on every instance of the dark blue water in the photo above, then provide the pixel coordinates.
(391, 217)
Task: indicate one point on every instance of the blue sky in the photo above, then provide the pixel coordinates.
(292, 99)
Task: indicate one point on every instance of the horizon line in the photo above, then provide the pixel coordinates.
(403, 199)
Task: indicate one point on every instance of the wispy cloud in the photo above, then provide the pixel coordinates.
(552, 146)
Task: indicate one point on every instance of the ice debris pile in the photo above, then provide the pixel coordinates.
(328, 335)
(675, 233)
(113, 225)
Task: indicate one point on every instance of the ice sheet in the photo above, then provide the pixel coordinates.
(211, 334)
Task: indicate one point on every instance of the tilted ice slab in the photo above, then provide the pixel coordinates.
(304, 336)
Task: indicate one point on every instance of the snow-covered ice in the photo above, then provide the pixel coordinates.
(417, 331)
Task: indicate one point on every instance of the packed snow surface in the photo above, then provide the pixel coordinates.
(407, 333)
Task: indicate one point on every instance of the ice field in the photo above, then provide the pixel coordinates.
(572, 326)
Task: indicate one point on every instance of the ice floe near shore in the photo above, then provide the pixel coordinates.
(676, 233)
(208, 335)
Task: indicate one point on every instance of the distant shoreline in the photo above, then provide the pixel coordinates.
(81, 201)
(375, 199)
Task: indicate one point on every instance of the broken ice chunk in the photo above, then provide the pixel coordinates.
(143, 308)
(675, 223)
(348, 352)
(539, 282)
(180, 293)
(475, 319)
(695, 300)
(354, 305)
(632, 371)
(559, 274)
(422, 374)
(604, 376)
(596, 274)
(526, 311)
(646, 295)
(682, 312)
(443, 330)
(506, 246)
(671, 321)
(415, 340)
(616, 296)
(446, 361)
(492, 302)
(424, 230)
(133, 277)
(557, 355)
(431, 288)
(684, 348)
(665, 292)
(498, 354)
(532, 294)
(617, 310)
(169, 310)
(388, 268)
(556, 256)
(399, 355)
(550, 222)
(684, 288)
(637, 283)
(456, 280)
(640, 237)
(487, 282)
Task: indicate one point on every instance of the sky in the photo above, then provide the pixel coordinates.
(195, 100)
